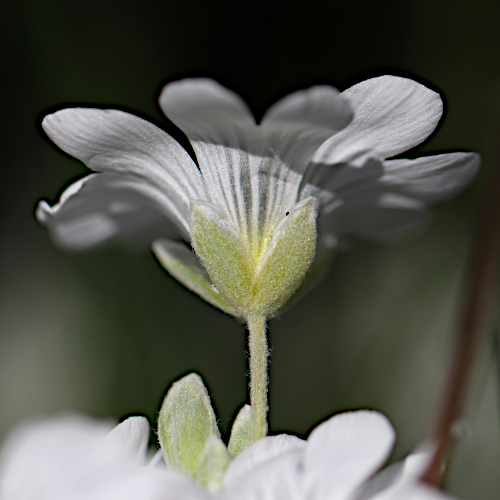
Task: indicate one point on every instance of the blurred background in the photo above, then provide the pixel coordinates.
(106, 332)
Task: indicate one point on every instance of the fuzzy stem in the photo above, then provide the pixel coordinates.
(257, 342)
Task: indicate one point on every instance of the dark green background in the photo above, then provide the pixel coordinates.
(106, 332)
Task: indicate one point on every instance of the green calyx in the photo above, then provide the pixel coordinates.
(255, 281)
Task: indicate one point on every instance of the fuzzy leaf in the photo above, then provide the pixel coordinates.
(213, 463)
(241, 433)
(185, 423)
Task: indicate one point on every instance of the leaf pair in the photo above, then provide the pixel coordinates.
(189, 436)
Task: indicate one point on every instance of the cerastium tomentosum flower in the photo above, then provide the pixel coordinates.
(79, 458)
(264, 201)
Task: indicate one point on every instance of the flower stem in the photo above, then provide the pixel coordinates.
(259, 352)
(477, 299)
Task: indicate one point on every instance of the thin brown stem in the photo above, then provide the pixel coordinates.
(479, 292)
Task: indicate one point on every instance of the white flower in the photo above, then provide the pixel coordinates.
(336, 462)
(316, 150)
(74, 458)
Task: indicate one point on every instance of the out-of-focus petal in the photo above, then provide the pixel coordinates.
(132, 437)
(111, 208)
(413, 491)
(259, 453)
(357, 202)
(75, 458)
(150, 484)
(391, 115)
(345, 451)
(378, 216)
(432, 178)
(47, 459)
(277, 479)
(207, 112)
(146, 483)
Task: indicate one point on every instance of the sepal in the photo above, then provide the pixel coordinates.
(213, 463)
(184, 266)
(241, 433)
(286, 259)
(223, 252)
(185, 423)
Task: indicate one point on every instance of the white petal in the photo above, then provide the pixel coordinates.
(43, 460)
(115, 141)
(259, 453)
(400, 474)
(381, 216)
(156, 460)
(206, 111)
(317, 110)
(345, 451)
(222, 131)
(149, 484)
(279, 478)
(355, 201)
(111, 208)
(131, 436)
(413, 491)
(391, 115)
(295, 127)
(336, 185)
(145, 483)
(252, 171)
(432, 178)
(73, 458)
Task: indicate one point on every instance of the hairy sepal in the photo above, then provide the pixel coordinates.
(213, 463)
(223, 252)
(241, 432)
(185, 423)
(286, 259)
(184, 266)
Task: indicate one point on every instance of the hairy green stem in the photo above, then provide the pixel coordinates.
(259, 352)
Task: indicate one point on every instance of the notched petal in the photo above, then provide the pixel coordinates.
(391, 115)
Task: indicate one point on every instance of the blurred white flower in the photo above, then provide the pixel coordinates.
(74, 458)
(316, 150)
